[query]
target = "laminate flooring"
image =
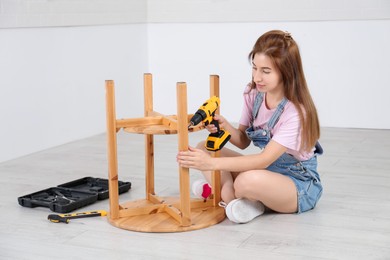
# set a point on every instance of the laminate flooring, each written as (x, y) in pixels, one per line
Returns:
(351, 221)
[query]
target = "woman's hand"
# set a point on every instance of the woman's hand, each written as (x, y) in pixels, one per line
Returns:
(221, 121)
(195, 159)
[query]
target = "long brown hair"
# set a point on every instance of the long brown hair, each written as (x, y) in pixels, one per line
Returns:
(281, 48)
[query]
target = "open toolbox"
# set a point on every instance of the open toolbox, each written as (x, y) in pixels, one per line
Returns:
(95, 185)
(71, 195)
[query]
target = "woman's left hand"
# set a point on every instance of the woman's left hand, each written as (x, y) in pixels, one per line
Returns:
(195, 159)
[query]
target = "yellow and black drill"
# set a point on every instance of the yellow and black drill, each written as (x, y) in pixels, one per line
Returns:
(205, 114)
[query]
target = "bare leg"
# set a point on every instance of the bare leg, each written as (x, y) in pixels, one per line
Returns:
(227, 178)
(274, 190)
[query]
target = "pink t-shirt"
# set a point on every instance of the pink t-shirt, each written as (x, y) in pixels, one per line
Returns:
(286, 131)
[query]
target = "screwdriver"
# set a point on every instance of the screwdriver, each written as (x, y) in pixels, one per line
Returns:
(65, 218)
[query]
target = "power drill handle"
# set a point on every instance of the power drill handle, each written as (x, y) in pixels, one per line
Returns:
(216, 124)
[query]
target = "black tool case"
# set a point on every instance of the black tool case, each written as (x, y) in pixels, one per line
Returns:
(96, 185)
(71, 195)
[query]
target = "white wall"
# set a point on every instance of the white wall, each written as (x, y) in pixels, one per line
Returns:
(52, 83)
(46, 13)
(346, 64)
(209, 11)
(52, 74)
(53, 13)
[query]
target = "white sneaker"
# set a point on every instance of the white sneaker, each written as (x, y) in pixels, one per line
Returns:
(201, 189)
(243, 210)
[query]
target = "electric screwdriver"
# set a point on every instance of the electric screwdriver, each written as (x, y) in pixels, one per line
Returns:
(205, 114)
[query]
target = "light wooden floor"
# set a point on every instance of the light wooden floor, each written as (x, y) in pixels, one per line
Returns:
(351, 221)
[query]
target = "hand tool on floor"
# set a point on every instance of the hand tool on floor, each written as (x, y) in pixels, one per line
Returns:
(205, 114)
(61, 197)
(65, 218)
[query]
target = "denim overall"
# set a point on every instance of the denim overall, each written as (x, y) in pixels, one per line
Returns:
(303, 173)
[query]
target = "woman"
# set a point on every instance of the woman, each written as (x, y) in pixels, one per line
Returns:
(279, 116)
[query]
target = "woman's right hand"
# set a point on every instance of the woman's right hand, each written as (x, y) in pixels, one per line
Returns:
(212, 128)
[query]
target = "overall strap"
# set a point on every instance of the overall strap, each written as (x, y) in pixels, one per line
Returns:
(256, 106)
(275, 117)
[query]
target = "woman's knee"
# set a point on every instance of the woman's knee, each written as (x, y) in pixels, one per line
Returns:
(246, 182)
(201, 145)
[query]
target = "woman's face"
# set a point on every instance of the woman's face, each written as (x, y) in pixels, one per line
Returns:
(266, 77)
